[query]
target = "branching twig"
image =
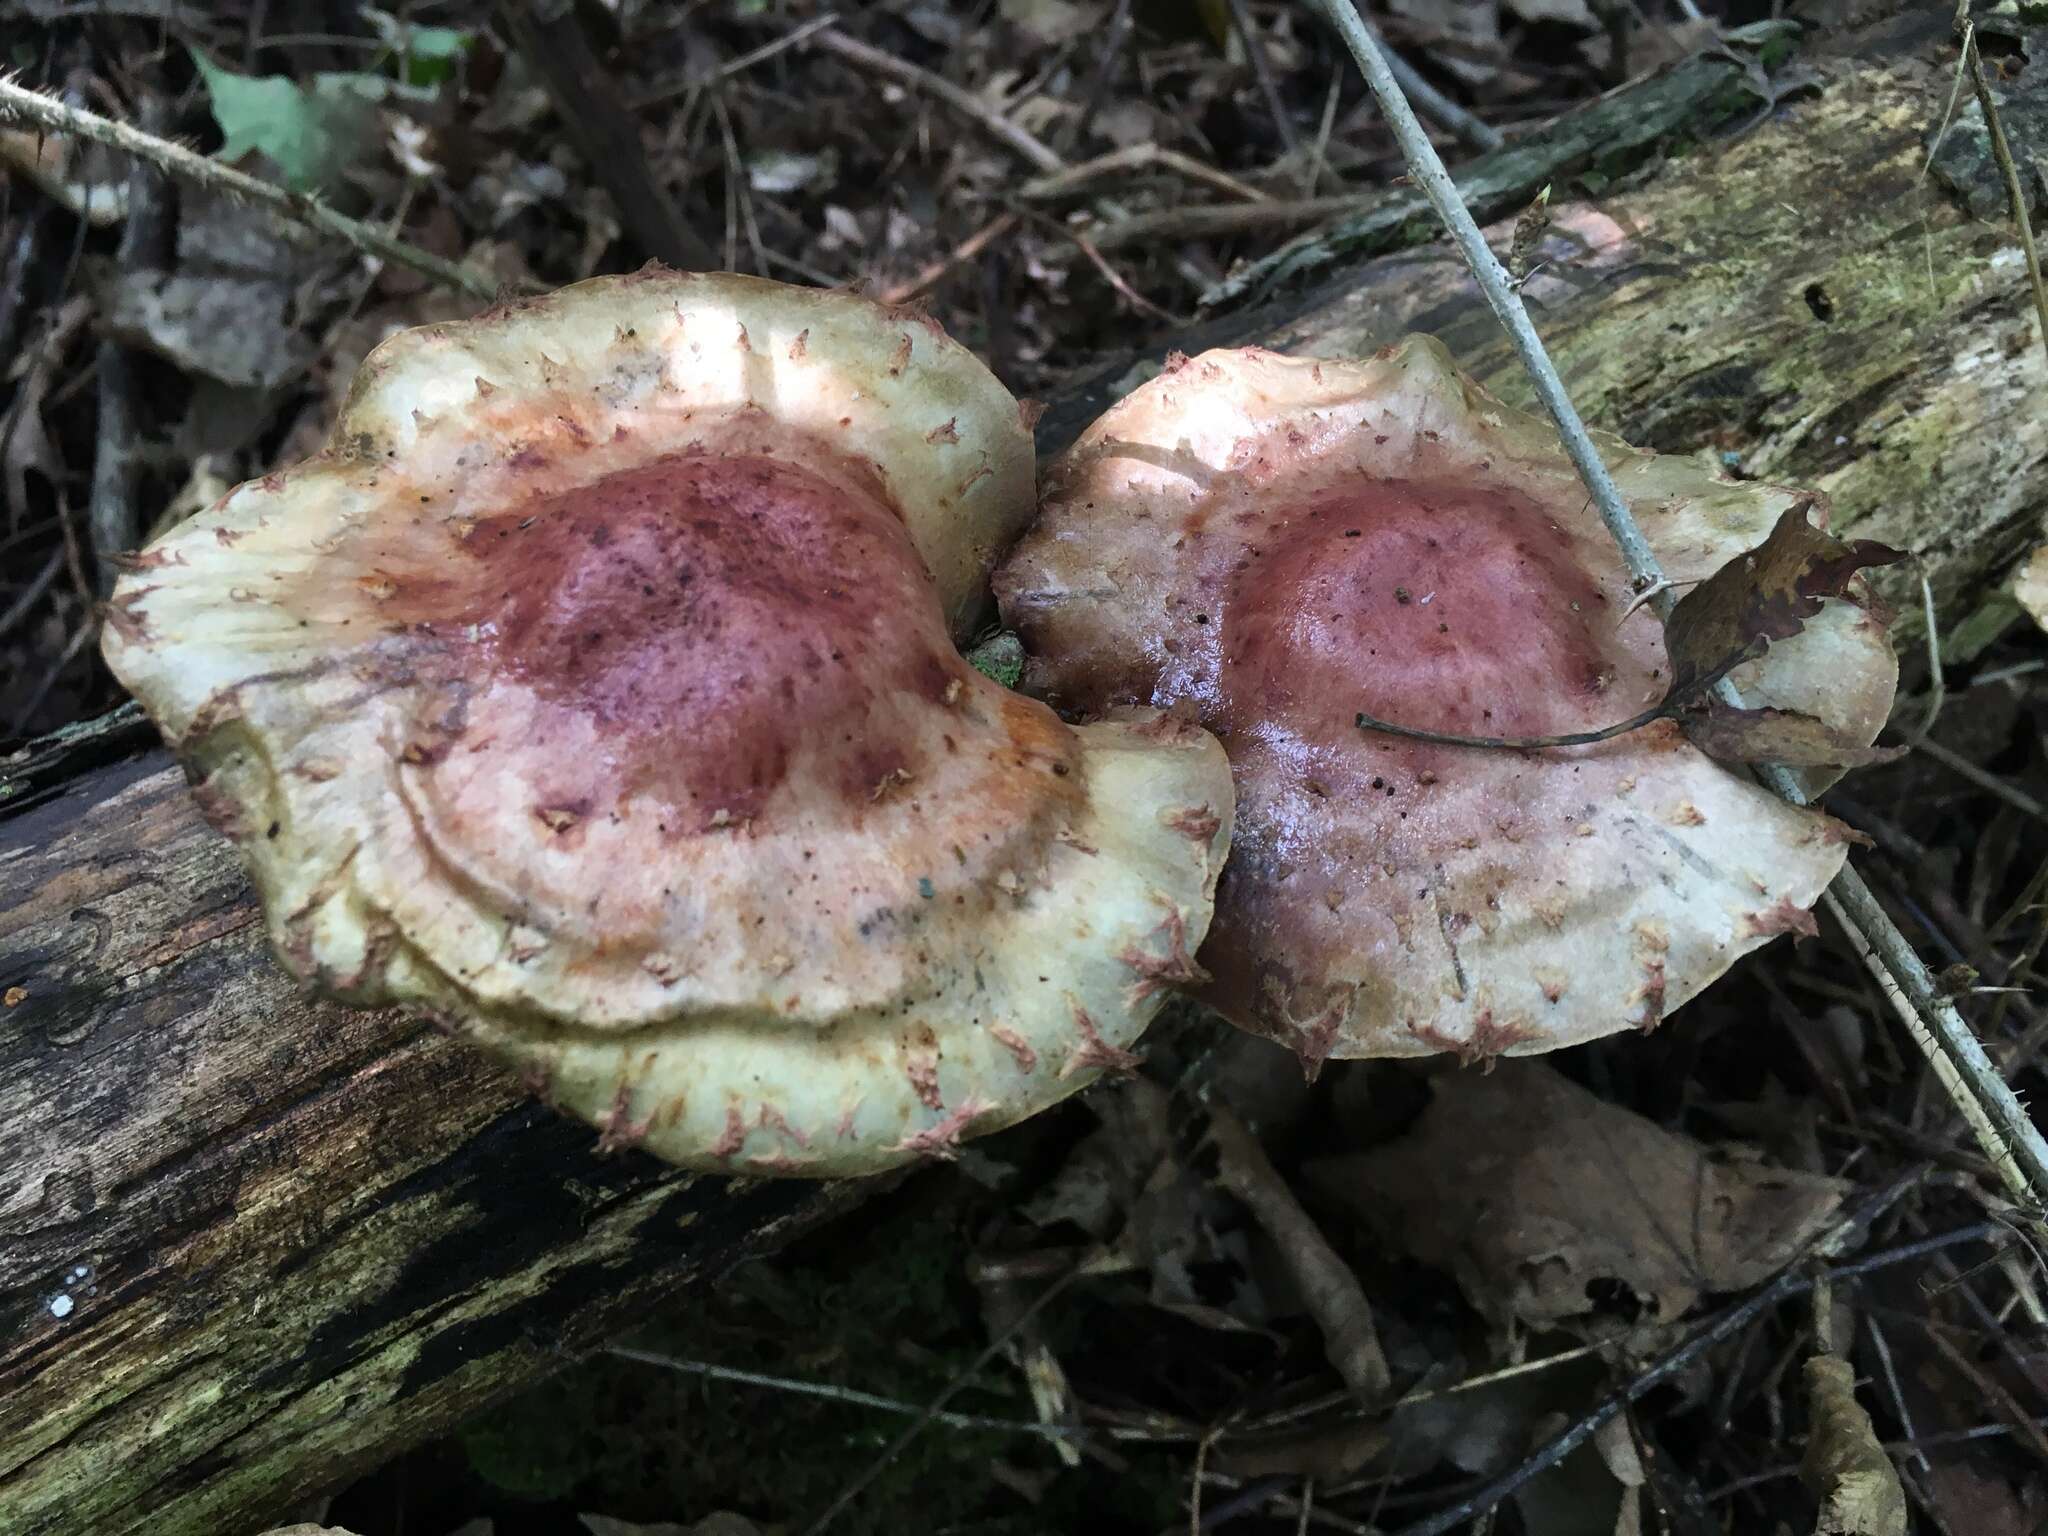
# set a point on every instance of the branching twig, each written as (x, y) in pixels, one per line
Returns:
(1788, 1283)
(2003, 1127)
(1434, 104)
(20, 105)
(966, 103)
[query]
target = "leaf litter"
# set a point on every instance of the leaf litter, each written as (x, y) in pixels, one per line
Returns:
(1195, 1333)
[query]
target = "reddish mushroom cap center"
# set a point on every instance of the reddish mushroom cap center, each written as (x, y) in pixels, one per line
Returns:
(1442, 607)
(719, 624)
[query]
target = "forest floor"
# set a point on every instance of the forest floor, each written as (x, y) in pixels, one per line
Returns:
(1057, 181)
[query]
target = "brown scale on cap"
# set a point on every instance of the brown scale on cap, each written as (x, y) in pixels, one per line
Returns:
(597, 691)
(1278, 546)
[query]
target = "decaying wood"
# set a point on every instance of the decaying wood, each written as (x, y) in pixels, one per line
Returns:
(250, 1244)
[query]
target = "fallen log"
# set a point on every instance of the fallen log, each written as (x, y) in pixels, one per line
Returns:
(251, 1244)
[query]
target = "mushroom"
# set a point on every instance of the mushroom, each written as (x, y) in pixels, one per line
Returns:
(595, 691)
(1275, 546)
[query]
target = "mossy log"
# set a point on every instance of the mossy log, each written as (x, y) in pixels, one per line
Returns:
(251, 1244)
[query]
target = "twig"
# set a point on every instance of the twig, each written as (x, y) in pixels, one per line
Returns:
(1262, 71)
(995, 229)
(849, 1395)
(26, 715)
(1209, 220)
(1331, 1291)
(21, 105)
(1319, 147)
(738, 66)
(21, 260)
(2008, 1136)
(966, 103)
(1937, 681)
(2023, 1423)
(549, 36)
(1110, 275)
(1433, 103)
(895, 1448)
(1138, 157)
(38, 584)
(1990, 783)
(112, 521)
(2015, 193)
(1635, 722)
(1786, 1284)
(1953, 1068)
(1113, 36)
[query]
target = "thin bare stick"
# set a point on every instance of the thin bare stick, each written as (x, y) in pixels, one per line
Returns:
(1634, 722)
(1990, 783)
(1937, 681)
(738, 66)
(966, 103)
(1206, 221)
(1435, 105)
(852, 1396)
(895, 1448)
(2004, 1129)
(1262, 70)
(1110, 275)
(1330, 1290)
(1138, 157)
(21, 105)
(2015, 193)
(995, 229)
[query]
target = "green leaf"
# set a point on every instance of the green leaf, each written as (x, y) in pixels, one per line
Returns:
(429, 54)
(311, 135)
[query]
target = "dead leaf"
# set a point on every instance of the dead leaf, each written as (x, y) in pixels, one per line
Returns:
(1328, 1453)
(1763, 595)
(25, 443)
(1050, 22)
(1785, 736)
(1979, 1500)
(2030, 585)
(1568, 13)
(1544, 1201)
(225, 312)
(1848, 1471)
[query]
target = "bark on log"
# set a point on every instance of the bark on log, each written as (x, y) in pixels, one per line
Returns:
(251, 1244)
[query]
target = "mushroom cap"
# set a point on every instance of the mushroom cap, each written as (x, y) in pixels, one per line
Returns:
(1275, 545)
(595, 689)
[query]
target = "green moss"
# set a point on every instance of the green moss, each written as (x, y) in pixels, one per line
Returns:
(1000, 656)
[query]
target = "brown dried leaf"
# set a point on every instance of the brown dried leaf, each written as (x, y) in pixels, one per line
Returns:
(2030, 585)
(1776, 736)
(1767, 594)
(1848, 1471)
(1541, 1198)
